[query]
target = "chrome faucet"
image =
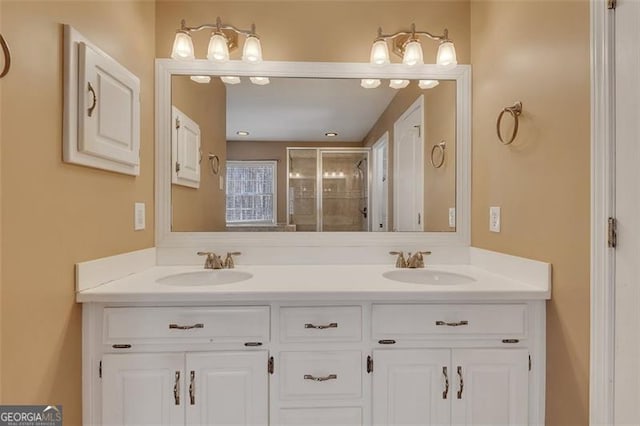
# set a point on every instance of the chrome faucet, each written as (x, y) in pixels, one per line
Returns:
(213, 261)
(413, 261)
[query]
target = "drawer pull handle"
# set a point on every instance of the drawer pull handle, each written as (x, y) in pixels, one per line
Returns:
(253, 344)
(192, 388)
(387, 342)
(461, 382)
(121, 346)
(322, 327)
(176, 389)
(445, 393)
(185, 327)
(510, 340)
(452, 324)
(321, 379)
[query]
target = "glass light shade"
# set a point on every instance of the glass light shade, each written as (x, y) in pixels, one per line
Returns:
(398, 84)
(260, 81)
(380, 53)
(218, 48)
(413, 53)
(230, 79)
(428, 84)
(370, 83)
(447, 55)
(182, 46)
(252, 50)
(202, 79)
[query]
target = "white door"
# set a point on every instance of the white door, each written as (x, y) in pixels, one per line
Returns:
(627, 208)
(489, 387)
(380, 178)
(408, 169)
(410, 387)
(186, 149)
(227, 388)
(143, 389)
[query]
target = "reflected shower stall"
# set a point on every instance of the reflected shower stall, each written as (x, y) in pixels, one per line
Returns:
(328, 189)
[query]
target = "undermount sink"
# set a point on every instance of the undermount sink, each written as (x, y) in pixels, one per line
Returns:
(205, 278)
(426, 276)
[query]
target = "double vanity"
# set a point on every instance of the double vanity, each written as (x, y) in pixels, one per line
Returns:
(314, 344)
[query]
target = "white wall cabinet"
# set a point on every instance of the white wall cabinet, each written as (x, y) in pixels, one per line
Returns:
(291, 364)
(216, 388)
(186, 150)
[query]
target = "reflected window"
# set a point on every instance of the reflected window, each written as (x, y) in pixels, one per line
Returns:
(251, 192)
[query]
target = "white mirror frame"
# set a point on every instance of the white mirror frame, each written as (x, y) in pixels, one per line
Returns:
(165, 238)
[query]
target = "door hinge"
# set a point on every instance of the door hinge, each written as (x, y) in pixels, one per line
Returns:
(419, 219)
(529, 362)
(100, 370)
(611, 4)
(369, 364)
(612, 232)
(177, 123)
(177, 167)
(270, 365)
(417, 126)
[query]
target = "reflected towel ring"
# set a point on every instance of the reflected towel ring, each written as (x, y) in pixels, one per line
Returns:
(438, 147)
(515, 112)
(7, 56)
(214, 163)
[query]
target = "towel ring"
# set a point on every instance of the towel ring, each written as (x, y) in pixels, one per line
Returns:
(7, 56)
(214, 163)
(515, 112)
(438, 147)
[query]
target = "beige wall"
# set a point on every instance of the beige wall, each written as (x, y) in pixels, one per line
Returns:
(56, 214)
(538, 52)
(259, 150)
(202, 209)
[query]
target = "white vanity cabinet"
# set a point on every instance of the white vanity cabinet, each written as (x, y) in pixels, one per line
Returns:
(295, 363)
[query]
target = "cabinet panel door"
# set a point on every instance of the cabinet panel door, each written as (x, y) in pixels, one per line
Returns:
(186, 150)
(325, 416)
(227, 388)
(410, 387)
(495, 387)
(143, 389)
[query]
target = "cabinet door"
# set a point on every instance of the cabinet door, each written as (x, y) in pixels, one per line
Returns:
(227, 388)
(410, 387)
(186, 150)
(325, 416)
(491, 387)
(143, 389)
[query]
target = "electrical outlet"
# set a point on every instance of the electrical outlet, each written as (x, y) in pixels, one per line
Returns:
(494, 219)
(452, 217)
(138, 217)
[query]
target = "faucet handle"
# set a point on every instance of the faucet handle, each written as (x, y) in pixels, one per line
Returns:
(213, 260)
(228, 262)
(206, 253)
(400, 262)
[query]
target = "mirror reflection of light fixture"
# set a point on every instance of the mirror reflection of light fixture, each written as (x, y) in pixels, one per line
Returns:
(230, 79)
(370, 83)
(331, 134)
(260, 81)
(428, 84)
(224, 39)
(202, 79)
(242, 133)
(398, 84)
(406, 44)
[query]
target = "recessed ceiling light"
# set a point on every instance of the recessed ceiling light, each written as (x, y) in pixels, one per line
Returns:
(242, 133)
(202, 79)
(331, 134)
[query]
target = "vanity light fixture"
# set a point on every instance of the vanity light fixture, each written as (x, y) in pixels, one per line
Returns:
(260, 81)
(398, 84)
(406, 44)
(428, 84)
(370, 83)
(242, 133)
(230, 79)
(224, 39)
(202, 79)
(331, 134)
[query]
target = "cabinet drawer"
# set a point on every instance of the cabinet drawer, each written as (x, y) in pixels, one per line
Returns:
(320, 375)
(325, 416)
(321, 324)
(415, 322)
(189, 325)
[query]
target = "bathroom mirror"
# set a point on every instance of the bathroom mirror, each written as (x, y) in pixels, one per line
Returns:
(313, 150)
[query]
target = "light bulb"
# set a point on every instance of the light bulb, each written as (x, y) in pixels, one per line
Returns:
(182, 46)
(260, 81)
(370, 83)
(398, 84)
(413, 53)
(428, 84)
(252, 50)
(218, 48)
(230, 79)
(446, 55)
(202, 79)
(379, 53)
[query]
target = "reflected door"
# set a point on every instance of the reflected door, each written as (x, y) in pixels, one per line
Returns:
(302, 209)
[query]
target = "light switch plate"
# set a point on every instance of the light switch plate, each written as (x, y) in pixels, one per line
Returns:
(139, 217)
(452, 217)
(494, 219)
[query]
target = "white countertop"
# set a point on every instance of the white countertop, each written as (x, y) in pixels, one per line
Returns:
(314, 283)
